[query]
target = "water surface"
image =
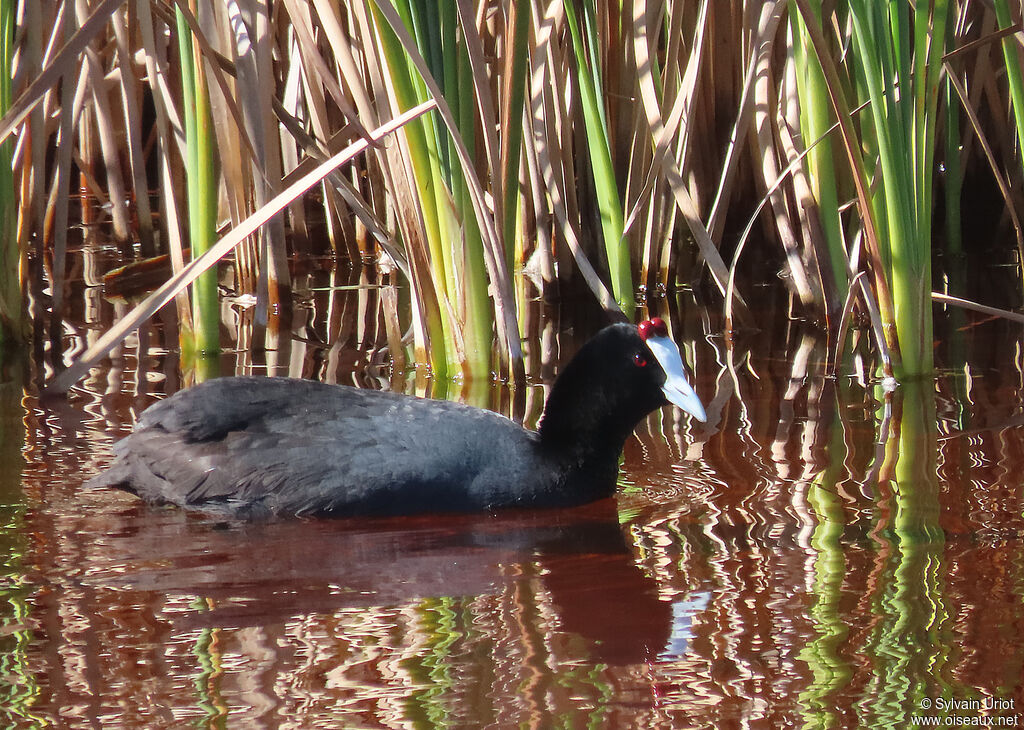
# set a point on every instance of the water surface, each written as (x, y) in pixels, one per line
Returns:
(816, 555)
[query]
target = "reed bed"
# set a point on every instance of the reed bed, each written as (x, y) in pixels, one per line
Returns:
(503, 151)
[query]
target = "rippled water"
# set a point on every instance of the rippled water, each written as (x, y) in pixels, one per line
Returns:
(814, 556)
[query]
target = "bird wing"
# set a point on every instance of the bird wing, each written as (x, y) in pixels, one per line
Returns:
(274, 446)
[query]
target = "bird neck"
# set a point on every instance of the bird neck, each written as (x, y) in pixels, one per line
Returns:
(584, 424)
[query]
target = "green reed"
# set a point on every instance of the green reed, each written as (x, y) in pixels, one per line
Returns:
(12, 317)
(452, 292)
(1014, 73)
(898, 57)
(201, 180)
(816, 119)
(893, 66)
(552, 121)
(595, 123)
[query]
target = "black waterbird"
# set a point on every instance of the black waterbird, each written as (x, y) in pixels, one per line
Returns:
(256, 447)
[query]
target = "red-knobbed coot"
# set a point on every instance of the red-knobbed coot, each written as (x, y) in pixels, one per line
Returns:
(257, 447)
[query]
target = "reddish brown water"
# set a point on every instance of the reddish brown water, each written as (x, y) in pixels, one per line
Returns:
(776, 567)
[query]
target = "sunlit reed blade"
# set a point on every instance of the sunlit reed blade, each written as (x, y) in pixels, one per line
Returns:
(816, 119)
(12, 303)
(72, 95)
(1014, 73)
(904, 128)
(493, 253)
(858, 170)
(202, 199)
(167, 126)
(554, 121)
(978, 307)
(599, 146)
(663, 134)
(513, 98)
(131, 95)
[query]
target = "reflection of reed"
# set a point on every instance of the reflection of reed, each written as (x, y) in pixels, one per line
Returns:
(818, 493)
(826, 560)
(19, 686)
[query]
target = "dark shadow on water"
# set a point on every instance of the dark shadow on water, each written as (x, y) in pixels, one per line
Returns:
(266, 573)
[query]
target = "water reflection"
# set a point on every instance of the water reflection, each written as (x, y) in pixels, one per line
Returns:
(424, 608)
(253, 573)
(820, 554)
(18, 687)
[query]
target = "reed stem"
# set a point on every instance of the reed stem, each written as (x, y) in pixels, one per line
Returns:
(201, 180)
(12, 301)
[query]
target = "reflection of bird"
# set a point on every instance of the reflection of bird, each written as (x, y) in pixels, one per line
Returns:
(250, 446)
(270, 572)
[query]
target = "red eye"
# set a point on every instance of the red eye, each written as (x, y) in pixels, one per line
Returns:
(639, 360)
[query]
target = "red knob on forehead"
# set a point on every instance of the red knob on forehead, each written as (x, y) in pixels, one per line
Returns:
(653, 327)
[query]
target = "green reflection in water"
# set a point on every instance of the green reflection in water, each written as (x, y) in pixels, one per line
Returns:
(207, 681)
(907, 629)
(446, 640)
(831, 671)
(432, 667)
(19, 690)
(910, 643)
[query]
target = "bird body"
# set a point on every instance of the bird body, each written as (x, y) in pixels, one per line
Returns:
(255, 447)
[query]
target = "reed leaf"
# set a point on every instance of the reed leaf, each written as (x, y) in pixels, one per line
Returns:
(492, 250)
(858, 173)
(63, 60)
(130, 101)
(1011, 56)
(513, 95)
(202, 190)
(675, 132)
(423, 158)
(72, 96)
(166, 120)
(598, 144)
(551, 159)
(903, 90)
(816, 120)
(12, 304)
